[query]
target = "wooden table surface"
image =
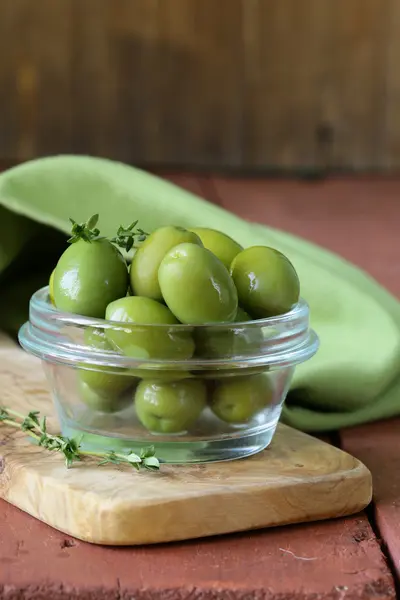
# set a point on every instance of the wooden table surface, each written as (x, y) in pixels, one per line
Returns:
(356, 557)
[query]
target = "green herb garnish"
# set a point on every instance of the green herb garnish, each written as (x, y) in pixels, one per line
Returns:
(36, 428)
(127, 237)
(85, 231)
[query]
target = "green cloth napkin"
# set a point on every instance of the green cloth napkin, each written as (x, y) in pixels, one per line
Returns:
(354, 377)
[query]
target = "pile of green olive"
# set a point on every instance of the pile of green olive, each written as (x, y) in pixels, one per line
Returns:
(172, 276)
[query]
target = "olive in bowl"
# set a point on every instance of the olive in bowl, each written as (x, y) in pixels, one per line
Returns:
(147, 259)
(238, 399)
(101, 379)
(170, 407)
(101, 400)
(220, 244)
(266, 281)
(144, 339)
(89, 276)
(196, 286)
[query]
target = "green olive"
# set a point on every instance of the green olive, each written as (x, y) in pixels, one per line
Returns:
(220, 244)
(242, 316)
(266, 281)
(51, 287)
(88, 276)
(214, 342)
(102, 402)
(144, 340)
(96, 338)
(238, 399)
(103, 380)
(106, 381)
(228, 343)
(148, 257)
(196, 286)
(172, 407)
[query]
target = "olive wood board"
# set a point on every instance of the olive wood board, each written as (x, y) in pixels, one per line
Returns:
(298, 478)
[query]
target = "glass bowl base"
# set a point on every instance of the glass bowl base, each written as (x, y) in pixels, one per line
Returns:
(177, 452)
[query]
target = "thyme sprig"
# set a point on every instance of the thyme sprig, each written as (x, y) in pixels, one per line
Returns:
(85, 231)
(127, 237)
(35, 427)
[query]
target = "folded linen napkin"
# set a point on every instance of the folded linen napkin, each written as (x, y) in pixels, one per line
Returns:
(354, 377)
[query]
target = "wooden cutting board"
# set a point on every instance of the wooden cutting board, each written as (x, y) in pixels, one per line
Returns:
(299, 478)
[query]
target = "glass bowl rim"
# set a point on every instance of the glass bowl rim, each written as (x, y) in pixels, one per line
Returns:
(286, 339)
(40, 302)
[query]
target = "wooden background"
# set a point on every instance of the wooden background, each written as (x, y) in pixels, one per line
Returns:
(244, 84)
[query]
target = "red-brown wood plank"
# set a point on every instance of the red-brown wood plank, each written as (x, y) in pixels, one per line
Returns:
(335, 560)
(357, 218)
(378, 446)
(200, 185)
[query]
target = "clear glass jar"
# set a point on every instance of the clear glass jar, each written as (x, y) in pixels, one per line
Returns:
(197, 393)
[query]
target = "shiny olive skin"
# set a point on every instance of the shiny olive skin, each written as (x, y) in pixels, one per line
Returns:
(228, 343)
(103, 380)
(266, 281)
(106, 381)
(242, 316)
(172, 407)
(196, 286)
(96, 338)
(212, 342)
(51, 287)
(144, 341)
(220, 244)
(234, 342)
(143, 271)
(237, 399)
(103, 402)
(88, 276)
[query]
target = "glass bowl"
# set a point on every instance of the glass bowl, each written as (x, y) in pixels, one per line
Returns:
(197, 393)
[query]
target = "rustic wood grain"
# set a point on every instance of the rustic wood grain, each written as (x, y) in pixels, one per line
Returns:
(251, 84)
(200, 66)
(9, 131)
(323, 561)
(298, 479)
(134, 47)
(93, 79)
(354, 102)
(51, 27)
(40, 52)
(314, 79)
(378, 446)
(283, 54)
(391, 152)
